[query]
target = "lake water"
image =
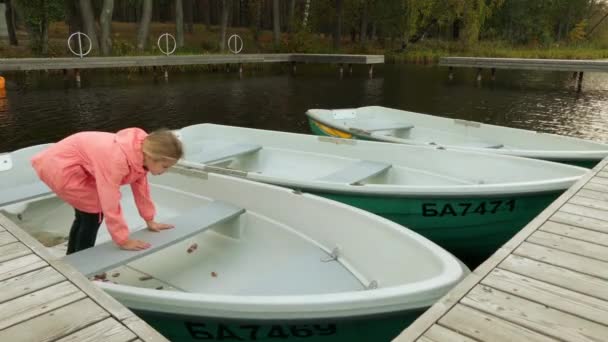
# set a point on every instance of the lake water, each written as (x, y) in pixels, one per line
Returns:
(39, 108)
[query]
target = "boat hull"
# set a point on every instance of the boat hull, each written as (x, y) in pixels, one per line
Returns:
(470, 228)
(322, 129)
(188, 328)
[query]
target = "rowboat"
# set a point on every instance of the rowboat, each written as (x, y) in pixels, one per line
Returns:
(253, 262)
(469, 203)
(399, 126)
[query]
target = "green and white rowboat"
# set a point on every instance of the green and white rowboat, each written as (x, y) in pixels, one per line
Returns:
(467, 202)
(277, 265)
(399, 126)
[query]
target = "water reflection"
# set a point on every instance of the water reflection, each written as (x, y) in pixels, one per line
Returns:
(46, 108)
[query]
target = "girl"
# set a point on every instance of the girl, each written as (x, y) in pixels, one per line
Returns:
(87, 169)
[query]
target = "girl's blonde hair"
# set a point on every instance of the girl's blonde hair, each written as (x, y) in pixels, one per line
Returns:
(163, 144)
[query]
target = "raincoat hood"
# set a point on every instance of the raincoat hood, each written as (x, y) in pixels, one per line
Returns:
(130, 141)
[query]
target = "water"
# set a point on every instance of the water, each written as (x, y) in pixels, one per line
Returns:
(39, 108)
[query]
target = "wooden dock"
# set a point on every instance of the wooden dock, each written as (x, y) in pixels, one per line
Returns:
(548, 283)
(577, 66)
(24, 64)
(44, 299)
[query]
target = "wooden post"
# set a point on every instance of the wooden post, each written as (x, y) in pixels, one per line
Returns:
(341, 70)
(371, 71)
(77, 75)
(293, 68)
(65, 74)
(450, 73)
(478, 74)
(166, 74)
(580, 82)
(493, 77)
(574, 75)
(350, 69)
(240, 69)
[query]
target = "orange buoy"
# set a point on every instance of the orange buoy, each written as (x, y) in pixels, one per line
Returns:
(2, 83)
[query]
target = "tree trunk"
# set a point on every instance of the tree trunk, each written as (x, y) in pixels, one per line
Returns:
(276, 22)
(189, 15)
(74, 19)
(207, 13)
(179, 23)
(306, 12)
(44, 34)
(257, 21)
(88, 21)
(290, 15)
(9, 14)
(364, 19)
(338, 29)
(225, 12)
(105, 21)
(144, 25)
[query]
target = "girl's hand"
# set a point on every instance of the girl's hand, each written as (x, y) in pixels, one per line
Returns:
(135, 245)
(157, 227)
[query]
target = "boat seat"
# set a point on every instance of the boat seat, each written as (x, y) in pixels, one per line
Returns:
(23, 193)
(108, 255)
(356, 172)
(373, 126)
(227, 152)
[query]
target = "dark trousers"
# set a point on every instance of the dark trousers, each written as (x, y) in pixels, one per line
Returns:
(84, 231)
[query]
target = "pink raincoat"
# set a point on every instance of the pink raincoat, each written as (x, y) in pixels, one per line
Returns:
(87, 169)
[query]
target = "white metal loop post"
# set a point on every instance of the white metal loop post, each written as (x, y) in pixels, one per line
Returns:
(166, 49)
(80, 53)
(235, 43)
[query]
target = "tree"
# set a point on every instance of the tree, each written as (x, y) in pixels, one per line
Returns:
(88, 21)
(10, 23)
(276, 23)
(144, 25)
(105, 21)
(338, 27)
(37, 14)
(364, 22)
(179, 22)
(226, 6)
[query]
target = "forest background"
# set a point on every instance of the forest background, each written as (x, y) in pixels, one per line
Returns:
(402, 30)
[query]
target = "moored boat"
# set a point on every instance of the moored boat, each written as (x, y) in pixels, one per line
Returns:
(279, 264)
(469, 203)
(399, 126)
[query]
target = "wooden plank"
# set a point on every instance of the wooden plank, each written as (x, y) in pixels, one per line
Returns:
(599, 180)
(575, 233)
(24, 264)
(114, 307)
(481, 326)
(562, 243)
(603, 174)
(56, 324)
(107, 255)
(593, 194)
(108, 330)
(556, 297)
(585, 211)
(558, 276)
(37, 303)
(13, 251)
(28, 283)
(439, 333)
(570, 261)
(580, 221)
(589, 202)
(596, 187)
(6, 238)
(425, 339)
(143, 330)
(540, 318)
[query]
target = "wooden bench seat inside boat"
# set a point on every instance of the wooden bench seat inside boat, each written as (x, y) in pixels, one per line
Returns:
(373, 126)
(356, 172)
(108, 255)
(226, 152)
(23, 193)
